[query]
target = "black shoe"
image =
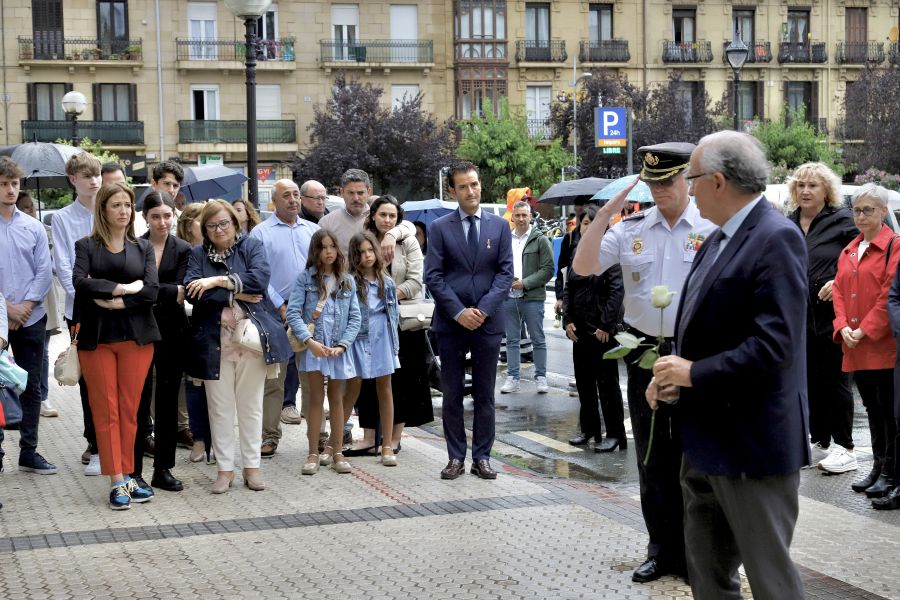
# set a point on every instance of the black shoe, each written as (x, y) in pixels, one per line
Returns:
(164, 480)
(610, 444)
(139, 481)
(864, 484)
(580, 440)
(889, 502)
(367, 451)
(651, 570)
(880, 488)
(454, 469)
(149, 446)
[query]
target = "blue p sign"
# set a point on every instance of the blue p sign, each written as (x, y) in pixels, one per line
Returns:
(610, 126)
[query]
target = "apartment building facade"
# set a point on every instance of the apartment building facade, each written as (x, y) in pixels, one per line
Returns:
(165, 78)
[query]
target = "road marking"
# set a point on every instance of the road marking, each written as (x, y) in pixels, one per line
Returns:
(549, 442)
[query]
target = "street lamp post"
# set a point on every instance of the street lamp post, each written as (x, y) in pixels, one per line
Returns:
(736, 52)
(73, 104)
(250, 11)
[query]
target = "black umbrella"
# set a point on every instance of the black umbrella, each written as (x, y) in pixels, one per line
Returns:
(576, 190)
(44, 165)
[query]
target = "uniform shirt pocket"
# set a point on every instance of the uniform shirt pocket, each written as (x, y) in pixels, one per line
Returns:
(636, 267)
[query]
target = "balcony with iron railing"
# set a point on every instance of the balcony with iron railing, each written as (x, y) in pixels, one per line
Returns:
(194, 53)
(235, 132)
(539, 129)
(894, 53)
(52, 47)
(687, 52)
(377, 53)
(800, 53)
(852, 53)
(541, 51)
(600, 51)
(760, 52)
(115, 133)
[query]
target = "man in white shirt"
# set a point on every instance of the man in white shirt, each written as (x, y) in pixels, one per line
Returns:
(69, 225)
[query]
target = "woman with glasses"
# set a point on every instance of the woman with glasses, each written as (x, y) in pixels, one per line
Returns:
(816, 207)
(226, 281)
(865, 272)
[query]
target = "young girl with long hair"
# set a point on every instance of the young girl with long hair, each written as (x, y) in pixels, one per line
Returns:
(323, 312)
(375, 350)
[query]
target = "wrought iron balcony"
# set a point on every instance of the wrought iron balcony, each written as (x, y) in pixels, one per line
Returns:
(894, 53)
(541, 51)
(851, 53)
(233, 50)
(53, 46)
(125, 133)
(235, 132)
(760, 52)
(604, 51)
(539, 128)
(378, 51)
(481, 51)
(687, 52)
(810, 53)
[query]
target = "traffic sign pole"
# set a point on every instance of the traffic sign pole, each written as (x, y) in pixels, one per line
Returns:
(628, 145)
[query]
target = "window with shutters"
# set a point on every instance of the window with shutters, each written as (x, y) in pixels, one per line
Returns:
(45, 101)
(798, 95)
(47, 28)
(600, 20)
(686, 94)
(746, 100)
(112, 25)
(742, 22)
(856, 30)
(114, 102)
(684, 25)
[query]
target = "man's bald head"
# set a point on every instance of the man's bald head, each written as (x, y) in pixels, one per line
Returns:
(286, 196)
(313, 196)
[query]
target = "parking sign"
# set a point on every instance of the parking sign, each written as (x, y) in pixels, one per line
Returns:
(610, 127)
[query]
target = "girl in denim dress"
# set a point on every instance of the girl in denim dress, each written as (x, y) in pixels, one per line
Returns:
(323, 312)
(375, 350)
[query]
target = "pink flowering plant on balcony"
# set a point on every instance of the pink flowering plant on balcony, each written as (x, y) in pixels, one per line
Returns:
(890, 181)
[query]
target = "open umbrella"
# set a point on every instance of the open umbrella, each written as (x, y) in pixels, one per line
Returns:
(44, 165)
(639, 193)
(426, 211)
(210, 181)
(568, 192)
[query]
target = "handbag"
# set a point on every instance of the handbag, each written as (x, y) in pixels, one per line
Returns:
(11, 374)
(66, 369)
(246, 335)
(296, 345)
(10, 406)
(415, 315)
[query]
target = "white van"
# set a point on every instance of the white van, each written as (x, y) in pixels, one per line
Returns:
(778, 195)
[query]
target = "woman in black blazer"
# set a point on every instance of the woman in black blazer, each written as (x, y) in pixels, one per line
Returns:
(115, 289)
(171, 255)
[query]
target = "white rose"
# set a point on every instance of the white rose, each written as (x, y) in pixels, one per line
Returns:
(660, 296)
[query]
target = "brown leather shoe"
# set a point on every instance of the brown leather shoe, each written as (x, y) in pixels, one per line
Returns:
(185, 438)
(483, 469)
(267, 450)
(454, 469)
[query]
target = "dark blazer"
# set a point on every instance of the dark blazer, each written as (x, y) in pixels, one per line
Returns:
(457, 283)
(595, 300)
(95, 276)
(248, 262)
(747, 411)
(170, 316)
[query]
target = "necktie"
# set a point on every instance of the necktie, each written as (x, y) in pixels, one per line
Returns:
(472, 237)
(692, 291)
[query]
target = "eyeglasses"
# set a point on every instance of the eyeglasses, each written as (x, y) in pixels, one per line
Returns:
(663, 183)
(319, 198)
(221, 225)
(865, 210)
(690, 179)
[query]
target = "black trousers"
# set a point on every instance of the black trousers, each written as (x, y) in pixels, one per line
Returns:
(597, 381)
(89, 434)
(830, 396)
(877, 391)
(661, 502)
(168, 365)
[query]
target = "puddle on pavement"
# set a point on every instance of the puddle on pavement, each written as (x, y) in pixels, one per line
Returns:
(552, 467)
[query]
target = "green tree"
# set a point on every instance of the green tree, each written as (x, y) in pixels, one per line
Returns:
(506, 156)
(791, 141)
(60, 197)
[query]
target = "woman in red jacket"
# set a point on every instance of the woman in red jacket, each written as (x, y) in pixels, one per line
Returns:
(865, 271)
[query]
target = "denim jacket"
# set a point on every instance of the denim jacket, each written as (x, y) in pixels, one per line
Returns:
(302, 304)
(390, 304)
(247, 263)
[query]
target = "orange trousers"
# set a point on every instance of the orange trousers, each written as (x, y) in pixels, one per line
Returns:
(115, 375)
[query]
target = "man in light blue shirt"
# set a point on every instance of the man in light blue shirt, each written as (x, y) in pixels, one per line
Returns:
(286, 238)
(25, 274)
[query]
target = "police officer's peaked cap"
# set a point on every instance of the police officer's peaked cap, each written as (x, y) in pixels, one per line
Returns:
(662, 161)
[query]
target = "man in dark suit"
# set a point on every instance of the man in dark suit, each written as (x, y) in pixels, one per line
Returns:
(740, 369)
(469, 271)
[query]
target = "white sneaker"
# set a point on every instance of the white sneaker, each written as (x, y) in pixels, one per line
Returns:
(93, 466)
(818, 454)
(542, 387)
(510, 385)
(839, 460)
(48, 410)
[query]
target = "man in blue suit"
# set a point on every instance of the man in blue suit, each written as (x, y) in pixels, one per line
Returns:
(469, 271)
(741, 375)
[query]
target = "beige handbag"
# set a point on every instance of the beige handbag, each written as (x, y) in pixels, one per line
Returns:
(246, 335)
(415, 315)
(296, 344)
(67, 369)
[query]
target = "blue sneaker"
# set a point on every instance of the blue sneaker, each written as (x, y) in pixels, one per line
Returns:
(138, 494)
(119, 498)
(35, 463)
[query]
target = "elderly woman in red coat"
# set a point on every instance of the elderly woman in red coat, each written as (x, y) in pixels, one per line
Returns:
(865, 271)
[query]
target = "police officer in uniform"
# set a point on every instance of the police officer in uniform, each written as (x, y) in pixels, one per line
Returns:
(654, 247)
